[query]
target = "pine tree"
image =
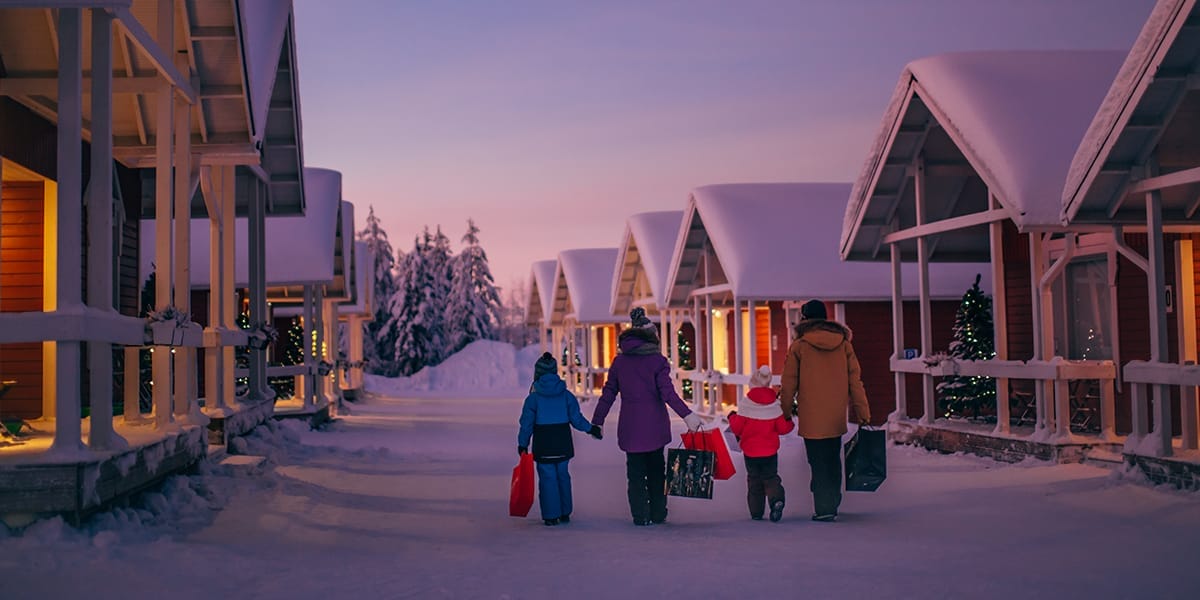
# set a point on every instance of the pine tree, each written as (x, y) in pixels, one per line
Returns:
(293, 354)
(438, 266)
(415, 313)
(473, 306)
(973, 340)
(379, 344)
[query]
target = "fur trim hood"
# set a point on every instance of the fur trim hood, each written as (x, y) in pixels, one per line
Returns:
(823, 334)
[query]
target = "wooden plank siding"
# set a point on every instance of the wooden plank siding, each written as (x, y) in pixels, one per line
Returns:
(22, 274)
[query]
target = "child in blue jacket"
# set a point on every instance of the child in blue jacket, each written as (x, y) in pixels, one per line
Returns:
(548, 415)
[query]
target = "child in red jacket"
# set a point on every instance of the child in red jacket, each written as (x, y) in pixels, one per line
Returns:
(758, 423)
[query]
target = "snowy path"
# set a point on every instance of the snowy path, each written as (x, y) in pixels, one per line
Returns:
(407, 499)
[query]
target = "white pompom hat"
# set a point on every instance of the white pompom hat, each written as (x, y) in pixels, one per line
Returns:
(761, 377)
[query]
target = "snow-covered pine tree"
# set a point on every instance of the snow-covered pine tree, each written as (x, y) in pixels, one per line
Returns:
(973, 340)
(415, 313)
(439, 265)
(379, 345)
(473, 306)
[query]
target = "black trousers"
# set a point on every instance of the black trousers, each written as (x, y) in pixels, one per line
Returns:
(763, 484)
(647, 475)
(825, 461)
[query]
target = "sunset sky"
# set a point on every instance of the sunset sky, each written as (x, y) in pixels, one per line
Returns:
(550, 122)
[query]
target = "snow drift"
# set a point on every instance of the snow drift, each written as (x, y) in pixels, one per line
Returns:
(484, 368)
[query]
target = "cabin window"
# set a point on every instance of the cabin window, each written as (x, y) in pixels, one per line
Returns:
(1084, 311)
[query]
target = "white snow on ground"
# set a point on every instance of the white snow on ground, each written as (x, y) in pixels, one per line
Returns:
(407, 498)
(483, 369)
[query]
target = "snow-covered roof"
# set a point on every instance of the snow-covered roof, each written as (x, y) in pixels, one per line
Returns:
(364, 286)
(1013, 118)
(778, 241)
(583, 285)
(645, 252)
(540, 304)
(299, 250)
(1137, 121)
(264, 26)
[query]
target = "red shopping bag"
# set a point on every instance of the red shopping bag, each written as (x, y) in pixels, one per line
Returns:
(713, 441)
(520, 498)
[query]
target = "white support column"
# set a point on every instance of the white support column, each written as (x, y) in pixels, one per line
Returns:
(310, 363)
(68, 401)
(332, 343)
(698, 391)
(319, 384)
(1185, 316)
(714, 388)
(901, 412)
(929, 414)
(163, 178)
(184, 360)
(739, 352)
(999, 318)
(1155, 280)
(212, 180)
(1037, 268)
(256, 251)
(752, 337)
(356, 352)
(229, 306)
(100, 234)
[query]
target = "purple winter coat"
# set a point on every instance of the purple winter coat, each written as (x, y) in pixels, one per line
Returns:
(641, 375)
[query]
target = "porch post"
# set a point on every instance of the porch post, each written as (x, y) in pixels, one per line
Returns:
(310, 364)
(213, 188)
(929, 413)
(228, 281)
(709, 342)
(319, 384)
(739, 353)
(1037, 268)
(901, 412)
(1185, 295)
(356, 351)
(999, 318)
(183, 358)
(100, 234)
(68, 402)
(698, 357)
(257, 252)
(163, 178)
(752, 337)
(1155, 279)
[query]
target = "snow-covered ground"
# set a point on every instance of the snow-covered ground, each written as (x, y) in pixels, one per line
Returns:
(407, 498)
(483, 368)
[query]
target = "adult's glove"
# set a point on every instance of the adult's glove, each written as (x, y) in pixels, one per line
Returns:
(693, 421)
(596, 432)
(521, 450)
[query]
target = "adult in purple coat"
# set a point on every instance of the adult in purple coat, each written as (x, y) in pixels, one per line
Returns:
(642, 376)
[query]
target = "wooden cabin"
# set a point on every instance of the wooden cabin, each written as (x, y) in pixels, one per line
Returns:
(748, 255)
(969, 164)
(1135, 177)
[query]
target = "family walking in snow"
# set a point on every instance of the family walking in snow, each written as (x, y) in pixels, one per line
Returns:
(821, 381)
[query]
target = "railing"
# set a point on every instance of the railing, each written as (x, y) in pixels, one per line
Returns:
(1054, 410)
(1143, 377)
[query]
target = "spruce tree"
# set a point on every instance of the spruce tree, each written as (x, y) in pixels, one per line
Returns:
(415, 313)
(973, 340)
(379, 344)
(473, 307)
(438, 269)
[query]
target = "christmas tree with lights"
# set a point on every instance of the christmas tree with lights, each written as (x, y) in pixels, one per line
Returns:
(973, 340)
(685, 361)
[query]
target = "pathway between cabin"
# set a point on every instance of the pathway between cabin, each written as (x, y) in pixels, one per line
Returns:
(408, 498)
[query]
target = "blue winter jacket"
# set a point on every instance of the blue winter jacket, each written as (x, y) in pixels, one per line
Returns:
(547, 416)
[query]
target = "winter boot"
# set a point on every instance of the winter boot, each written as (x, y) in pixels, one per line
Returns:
(776, 511)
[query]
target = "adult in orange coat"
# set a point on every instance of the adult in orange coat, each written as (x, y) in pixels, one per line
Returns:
(821, 381)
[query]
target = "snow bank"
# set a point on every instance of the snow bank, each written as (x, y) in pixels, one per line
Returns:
(483, 369)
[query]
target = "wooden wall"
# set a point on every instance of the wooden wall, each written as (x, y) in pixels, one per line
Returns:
(22, 222)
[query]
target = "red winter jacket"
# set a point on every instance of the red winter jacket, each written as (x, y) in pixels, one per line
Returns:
(759, 422)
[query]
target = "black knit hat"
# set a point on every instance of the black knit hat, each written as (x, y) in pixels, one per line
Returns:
(545, 365)
(638, 318)
(814, 309)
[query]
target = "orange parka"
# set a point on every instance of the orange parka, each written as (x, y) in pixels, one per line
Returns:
(821, 374)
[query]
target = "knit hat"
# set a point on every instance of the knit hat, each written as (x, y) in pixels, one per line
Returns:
(761, 377)
(813, 309)
(638, 317)
(545, 365)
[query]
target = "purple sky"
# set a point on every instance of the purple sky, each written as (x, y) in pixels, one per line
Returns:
(550, 122)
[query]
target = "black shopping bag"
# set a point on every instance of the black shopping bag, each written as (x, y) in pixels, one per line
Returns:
(690, 473)
(866, 460)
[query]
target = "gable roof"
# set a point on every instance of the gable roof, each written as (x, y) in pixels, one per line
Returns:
(539, 305)
(300, 250)
(583, 285)
(1016, 117)
(645, 251)
(1149, 114)
(778, 241)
